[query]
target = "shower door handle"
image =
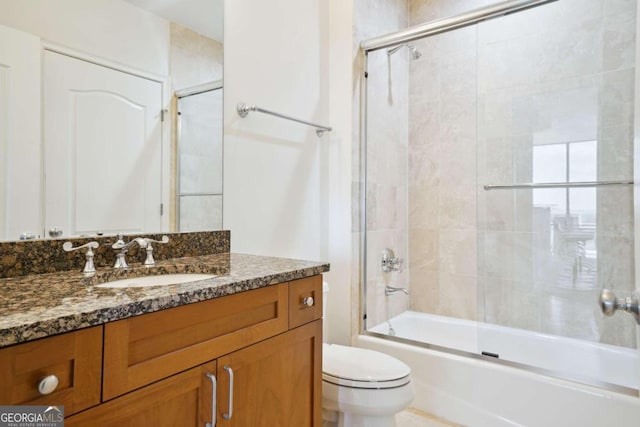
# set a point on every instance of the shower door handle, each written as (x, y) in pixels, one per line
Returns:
(609, 304)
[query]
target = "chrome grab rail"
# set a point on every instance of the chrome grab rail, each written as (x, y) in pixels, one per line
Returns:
(229, 414)
(244, 109)
(214, 408)
(582, 184)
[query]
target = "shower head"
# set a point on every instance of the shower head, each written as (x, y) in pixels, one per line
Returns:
(415, 53)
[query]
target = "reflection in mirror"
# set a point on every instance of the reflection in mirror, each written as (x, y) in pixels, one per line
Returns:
(90, 96)
(199, 146)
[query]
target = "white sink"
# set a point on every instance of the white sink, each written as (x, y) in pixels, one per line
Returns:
(159, 280)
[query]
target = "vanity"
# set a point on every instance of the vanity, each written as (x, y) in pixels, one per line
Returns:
(242, 348)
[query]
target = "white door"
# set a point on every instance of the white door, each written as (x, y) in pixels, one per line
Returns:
(103, 154)
(19, 134)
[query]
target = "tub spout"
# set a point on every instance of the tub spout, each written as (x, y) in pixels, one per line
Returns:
(390, 290)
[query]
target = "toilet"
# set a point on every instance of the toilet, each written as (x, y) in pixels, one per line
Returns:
(362, 388)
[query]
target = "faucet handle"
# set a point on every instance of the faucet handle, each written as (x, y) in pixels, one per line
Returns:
(390, 262)
(119, 244)
(89, 267)
(146, 243)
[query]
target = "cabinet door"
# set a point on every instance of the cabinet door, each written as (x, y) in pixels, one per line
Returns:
(181, 400)
(74, 358)
(277, 382)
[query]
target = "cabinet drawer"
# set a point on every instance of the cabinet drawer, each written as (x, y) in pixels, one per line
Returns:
(301, 309)
(75, 358)
(144, 349)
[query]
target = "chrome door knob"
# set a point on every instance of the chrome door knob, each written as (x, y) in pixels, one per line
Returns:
(55, 232)
(609, 304)
(308, 301)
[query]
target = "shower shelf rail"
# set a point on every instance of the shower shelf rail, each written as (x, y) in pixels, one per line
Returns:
(244, 109)
(583, 184)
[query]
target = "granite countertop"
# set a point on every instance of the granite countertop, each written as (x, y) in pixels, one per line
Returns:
(40, 305)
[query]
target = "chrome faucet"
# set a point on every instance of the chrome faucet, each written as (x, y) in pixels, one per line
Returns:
(122, 247)
(89, 267)
(149, 261)
(390, 290)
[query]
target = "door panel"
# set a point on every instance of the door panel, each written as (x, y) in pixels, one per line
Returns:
(19, 104)
(102, 131)
(276, 383)
(181, 400)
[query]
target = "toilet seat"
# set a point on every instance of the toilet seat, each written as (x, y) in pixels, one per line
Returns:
(361, 368)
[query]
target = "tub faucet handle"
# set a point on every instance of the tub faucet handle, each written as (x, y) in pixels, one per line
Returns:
(390, 262)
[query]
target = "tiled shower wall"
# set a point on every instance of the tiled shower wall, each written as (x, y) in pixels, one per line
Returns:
(478, 100)
(562, 73)
(194, 60)
(442, 166)
(386, 156)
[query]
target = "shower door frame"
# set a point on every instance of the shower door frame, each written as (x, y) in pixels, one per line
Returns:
(421, 31)
(179, 95)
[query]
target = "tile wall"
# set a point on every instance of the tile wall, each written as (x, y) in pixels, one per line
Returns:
(478, 103)
(556, 75)
(194, 60)
(387, 158)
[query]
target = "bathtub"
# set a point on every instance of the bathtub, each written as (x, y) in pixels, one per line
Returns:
(477, 392)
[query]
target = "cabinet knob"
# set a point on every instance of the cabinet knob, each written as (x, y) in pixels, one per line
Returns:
(48, 384)
(308, 301)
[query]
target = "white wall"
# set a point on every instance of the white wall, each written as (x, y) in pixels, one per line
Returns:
(111, 29)
(286, 190)
(275, 170)
(339, 311)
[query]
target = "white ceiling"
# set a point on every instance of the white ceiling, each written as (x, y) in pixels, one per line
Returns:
(202, 16)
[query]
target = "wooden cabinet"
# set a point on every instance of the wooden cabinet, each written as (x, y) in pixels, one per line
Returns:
(251, 359)
(143, 349)
(305, 301)
(276, 383)
(263, 348)
(183, 400)
(75, 358)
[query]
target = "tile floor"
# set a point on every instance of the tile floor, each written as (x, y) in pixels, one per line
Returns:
(415, 418)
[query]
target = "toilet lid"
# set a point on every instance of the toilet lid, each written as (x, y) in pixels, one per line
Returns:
(362, 368)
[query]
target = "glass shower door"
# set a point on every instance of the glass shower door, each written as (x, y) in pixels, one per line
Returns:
(200, 161)
(555, 204)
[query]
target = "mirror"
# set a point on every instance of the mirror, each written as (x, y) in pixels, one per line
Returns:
(110, 117)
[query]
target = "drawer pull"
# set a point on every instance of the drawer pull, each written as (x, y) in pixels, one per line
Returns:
(229, 414)
(48, 384)
(308, 301)
(214, 409)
